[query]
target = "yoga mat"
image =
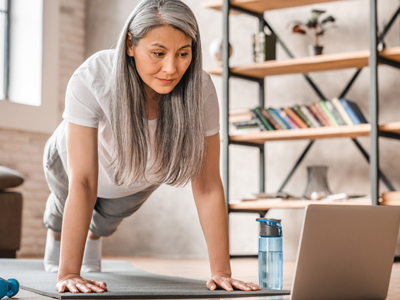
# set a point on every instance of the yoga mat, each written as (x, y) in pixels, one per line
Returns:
(124, 281)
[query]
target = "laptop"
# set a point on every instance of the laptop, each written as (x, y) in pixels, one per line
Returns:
(346, 252)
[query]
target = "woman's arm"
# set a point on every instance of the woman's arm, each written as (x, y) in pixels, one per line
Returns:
(210, 202)
(82, 194)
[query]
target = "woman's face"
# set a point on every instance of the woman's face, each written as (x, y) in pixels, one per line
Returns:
(162, 58)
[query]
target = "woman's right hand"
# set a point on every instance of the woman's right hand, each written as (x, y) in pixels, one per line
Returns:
(75, 284)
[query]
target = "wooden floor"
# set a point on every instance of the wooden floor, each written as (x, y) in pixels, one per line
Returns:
(243, 269)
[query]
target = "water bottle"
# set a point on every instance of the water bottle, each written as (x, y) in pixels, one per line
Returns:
(270, 259)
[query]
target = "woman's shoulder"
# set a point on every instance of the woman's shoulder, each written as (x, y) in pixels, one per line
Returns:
(96, 71)
(98, 64)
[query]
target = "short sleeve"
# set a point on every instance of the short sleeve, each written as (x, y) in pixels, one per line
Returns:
(211, 106)
(81, 107)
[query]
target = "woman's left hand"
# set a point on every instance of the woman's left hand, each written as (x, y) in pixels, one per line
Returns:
(228, 283)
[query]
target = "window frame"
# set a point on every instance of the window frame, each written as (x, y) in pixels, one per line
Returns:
(6, 69)
(46, 117)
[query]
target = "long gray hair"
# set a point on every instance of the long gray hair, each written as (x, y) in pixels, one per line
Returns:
(180, 143)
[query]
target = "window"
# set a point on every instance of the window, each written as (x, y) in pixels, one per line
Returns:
(4, 46)
(26, 49)
(32, 102)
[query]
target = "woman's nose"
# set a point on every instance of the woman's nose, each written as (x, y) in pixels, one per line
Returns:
(169, 65)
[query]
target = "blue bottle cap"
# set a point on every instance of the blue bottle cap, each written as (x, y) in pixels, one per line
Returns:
(270, 227)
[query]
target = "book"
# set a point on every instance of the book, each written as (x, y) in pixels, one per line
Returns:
(242, 114)
(288, 119)
(276, 111)
(334, 113)
(350, 112)
(314, 113)
(339, 107)
(270, 120)
(262, 120)
(357, 111)
(282, 124)
(245, 124)
(328, 113)
(295, 117)
(321, 113)
(309, 116)
(298, 111)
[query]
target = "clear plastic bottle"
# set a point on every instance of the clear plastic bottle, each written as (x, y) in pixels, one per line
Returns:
(270, 258)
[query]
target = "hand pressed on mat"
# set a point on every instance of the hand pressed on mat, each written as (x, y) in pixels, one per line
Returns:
(228, 283)
(75, 284)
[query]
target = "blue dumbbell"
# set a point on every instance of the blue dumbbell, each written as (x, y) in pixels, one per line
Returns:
(9, 287)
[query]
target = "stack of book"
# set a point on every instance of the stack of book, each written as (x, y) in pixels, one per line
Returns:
(324, 113)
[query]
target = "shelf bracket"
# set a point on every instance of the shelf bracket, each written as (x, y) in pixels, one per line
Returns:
(389, 62)
(381, 175)
(249, 78)
(387, 27)
(296, 166)
(390, 135)
(248, 144)
(350, 84)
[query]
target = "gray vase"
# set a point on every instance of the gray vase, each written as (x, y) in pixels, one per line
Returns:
(317, 185)
(315, 50)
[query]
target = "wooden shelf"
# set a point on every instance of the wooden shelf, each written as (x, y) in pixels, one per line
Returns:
(314, 133)
(259, 6)
(356, 59)
(262, 205)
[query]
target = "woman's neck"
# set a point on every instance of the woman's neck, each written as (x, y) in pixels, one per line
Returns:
(152, 103)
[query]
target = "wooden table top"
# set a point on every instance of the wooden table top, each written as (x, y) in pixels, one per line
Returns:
(245, 269)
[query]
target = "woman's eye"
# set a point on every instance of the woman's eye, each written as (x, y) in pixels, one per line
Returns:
(158, 54)
(184, 54)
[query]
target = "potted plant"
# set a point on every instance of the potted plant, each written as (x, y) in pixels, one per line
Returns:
(317, 26)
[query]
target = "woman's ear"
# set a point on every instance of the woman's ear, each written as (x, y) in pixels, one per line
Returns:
(129, 45)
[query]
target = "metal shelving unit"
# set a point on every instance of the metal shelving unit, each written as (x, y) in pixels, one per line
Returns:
(257, 72)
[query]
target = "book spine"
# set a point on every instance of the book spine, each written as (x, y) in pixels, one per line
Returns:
(322, 114)
(270, 120)
(328, 113)
(357, 111)
(267, 125)
(276, 119)
(334, 113)
(295, 117)
(313, 121)
(258, 120)
(314, 113)
(350, 112)
(298, 111)
(339, 107)
(244, 123)
(280, 118)
(288, 119)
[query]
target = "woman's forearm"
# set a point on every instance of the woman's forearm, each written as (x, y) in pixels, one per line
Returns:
(76, 220)
(213, 216)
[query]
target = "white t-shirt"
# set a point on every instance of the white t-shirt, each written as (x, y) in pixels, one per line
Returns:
(87, 103)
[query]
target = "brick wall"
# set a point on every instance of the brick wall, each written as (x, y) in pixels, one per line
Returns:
(23, 151)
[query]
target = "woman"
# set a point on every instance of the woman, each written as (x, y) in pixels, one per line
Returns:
(135, 117)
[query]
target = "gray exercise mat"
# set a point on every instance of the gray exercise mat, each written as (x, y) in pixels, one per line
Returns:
(124, 281)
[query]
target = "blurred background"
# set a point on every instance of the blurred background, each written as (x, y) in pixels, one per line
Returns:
(51, 38)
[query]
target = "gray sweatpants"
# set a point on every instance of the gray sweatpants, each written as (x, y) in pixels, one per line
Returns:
(107, 213)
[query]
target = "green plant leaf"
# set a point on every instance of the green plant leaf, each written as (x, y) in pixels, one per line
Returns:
(317, 12)
(328, 19)
(312, 22)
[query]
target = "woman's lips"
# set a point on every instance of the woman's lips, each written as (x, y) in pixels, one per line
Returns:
(165, 81)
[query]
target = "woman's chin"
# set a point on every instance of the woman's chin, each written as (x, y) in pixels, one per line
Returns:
(164, 91)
